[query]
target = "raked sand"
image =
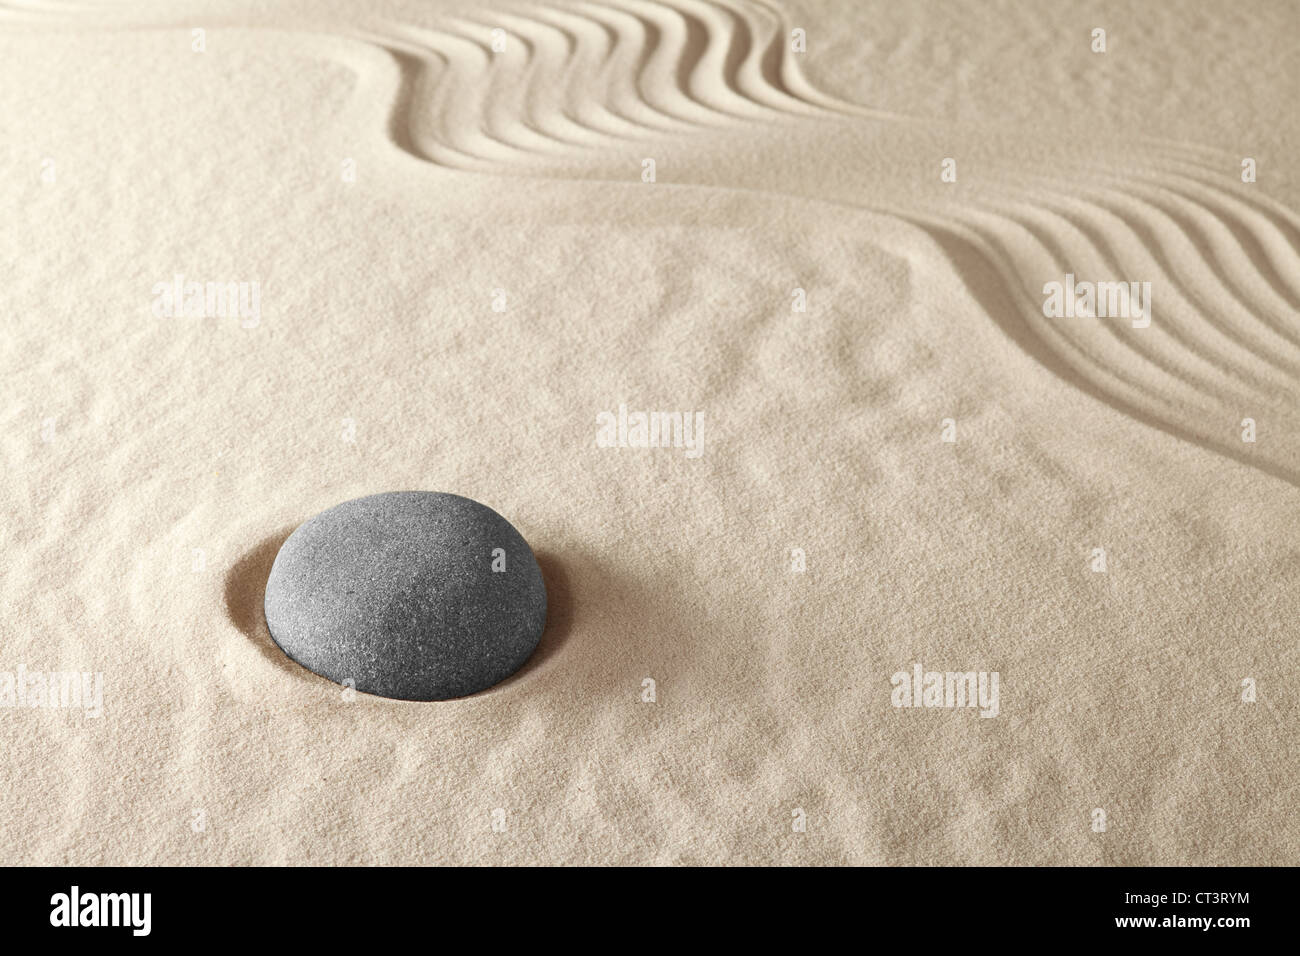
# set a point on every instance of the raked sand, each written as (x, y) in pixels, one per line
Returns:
(460, 266)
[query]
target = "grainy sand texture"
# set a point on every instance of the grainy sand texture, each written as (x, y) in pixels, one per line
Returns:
(443, 246)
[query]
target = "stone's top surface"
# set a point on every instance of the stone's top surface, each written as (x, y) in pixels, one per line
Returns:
(415, 595)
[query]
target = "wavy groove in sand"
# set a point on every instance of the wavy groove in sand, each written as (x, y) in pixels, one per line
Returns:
(573, 80)
(593, 77)
(1224, 343)
(577, 83)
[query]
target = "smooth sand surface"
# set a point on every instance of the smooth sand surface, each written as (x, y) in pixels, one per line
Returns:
(153, 464)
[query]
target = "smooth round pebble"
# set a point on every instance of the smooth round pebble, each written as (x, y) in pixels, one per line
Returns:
(416, 595)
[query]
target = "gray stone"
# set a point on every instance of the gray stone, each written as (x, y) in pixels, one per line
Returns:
(415, 595)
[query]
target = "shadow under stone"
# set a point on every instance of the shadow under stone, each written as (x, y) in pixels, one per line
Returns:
(559, 618)
(245, 590)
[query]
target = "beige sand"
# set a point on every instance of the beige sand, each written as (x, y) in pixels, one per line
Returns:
(153, 464)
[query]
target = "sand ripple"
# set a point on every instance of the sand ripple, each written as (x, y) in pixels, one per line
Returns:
(581, 82)
(1224, 341)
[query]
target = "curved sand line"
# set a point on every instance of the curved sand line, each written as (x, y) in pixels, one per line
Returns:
(578, 83)
(591, 78)
(1224, 343)
(583, 78)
